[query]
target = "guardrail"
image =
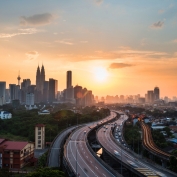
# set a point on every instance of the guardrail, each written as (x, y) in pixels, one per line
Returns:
(67, 165)
(49, 151)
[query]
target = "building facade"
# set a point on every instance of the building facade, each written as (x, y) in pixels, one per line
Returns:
(2, 93)
(14, 154)
(40, 136)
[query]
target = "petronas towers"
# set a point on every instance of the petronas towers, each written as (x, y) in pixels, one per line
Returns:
(40, 78)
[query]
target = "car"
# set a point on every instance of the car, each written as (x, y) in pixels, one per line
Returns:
(132, 164)
(116, 153)
(84, 132)
(116, 137)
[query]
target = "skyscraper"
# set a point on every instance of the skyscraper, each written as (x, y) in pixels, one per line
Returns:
(2, 92)
(69, 79)
(38, 78)
(156, 93)
(53, 88)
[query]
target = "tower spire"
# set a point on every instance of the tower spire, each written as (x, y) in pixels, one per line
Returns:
(18, 78)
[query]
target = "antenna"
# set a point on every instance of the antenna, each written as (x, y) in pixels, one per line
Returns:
(18, 78)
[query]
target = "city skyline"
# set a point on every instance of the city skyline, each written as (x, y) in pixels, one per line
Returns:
(122, 48)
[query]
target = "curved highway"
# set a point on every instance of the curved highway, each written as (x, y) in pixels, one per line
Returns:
(103, 137)
(149, 143)
(79, 156)
(54, 153)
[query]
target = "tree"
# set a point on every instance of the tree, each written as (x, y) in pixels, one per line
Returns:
(46, 172)
(173, 163)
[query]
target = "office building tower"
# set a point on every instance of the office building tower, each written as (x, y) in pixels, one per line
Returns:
(24, 90)
(69, 79)
(78, 94)
(14, 92)
(7, 96)
(53, 88)
(30, 99)
(150, 96)
(156, 93)
(2, 93)
(45, 91)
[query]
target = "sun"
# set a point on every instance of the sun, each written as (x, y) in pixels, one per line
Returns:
(100, 73)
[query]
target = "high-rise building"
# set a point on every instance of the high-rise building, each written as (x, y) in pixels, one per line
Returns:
(38, 79)
(2, 92)
(46, 91)
(78, 94)
(24, 90)
(30, 99)
(14, 91)
(53, 88)
(156, 93)
(69, 79)
(150, 96)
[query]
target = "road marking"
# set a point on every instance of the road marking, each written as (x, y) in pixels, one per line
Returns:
(96, 167)
(103, 174)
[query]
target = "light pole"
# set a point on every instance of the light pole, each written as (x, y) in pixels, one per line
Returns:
(76, 158)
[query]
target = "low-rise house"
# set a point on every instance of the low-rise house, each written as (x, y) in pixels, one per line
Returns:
(15, 154)
(5, 115)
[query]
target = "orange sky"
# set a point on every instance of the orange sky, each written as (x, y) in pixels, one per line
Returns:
(111, 47)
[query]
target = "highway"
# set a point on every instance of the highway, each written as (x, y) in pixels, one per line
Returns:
(54, 153)
(79, 156)
(149, 143)
(103, 136)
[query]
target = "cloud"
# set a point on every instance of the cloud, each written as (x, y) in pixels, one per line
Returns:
(37, 20)
(98, 2)
(32, 55)
(157, 25)
(119, 65)
(21, 32)
(66, 42)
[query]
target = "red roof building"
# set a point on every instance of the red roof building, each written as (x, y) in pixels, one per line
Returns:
(15, 154)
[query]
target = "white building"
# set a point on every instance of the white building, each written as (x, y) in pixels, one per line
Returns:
(5, 115)
(2, 93)
(44, 112)
(30, 99)
(40, 136)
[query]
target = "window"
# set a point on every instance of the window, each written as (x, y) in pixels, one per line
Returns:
(39, 137)
(39, 133)
(39, 141)
(39, 128)
(17, 152)
(39, 145)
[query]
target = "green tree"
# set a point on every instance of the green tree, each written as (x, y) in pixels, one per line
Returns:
(46, 172)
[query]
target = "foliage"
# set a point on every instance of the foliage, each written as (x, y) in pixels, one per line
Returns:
(42, 160)
(173, 163)
(159, 139)
(23, 122)
(132, 136)
(174, 153)
(168, 131)
(46, 172)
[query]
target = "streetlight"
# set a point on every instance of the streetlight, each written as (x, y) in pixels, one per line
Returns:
(76, 158)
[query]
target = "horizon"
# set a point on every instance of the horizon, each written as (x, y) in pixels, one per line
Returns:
(122, 48)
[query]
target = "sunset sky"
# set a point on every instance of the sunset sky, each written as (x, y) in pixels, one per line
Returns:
(113, 47)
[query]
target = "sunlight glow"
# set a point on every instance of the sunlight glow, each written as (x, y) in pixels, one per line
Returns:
(100, 73)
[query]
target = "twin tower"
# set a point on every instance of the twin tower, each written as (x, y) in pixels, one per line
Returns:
(40, 78)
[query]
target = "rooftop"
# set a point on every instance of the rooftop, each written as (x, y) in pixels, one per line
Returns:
(14, 145)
